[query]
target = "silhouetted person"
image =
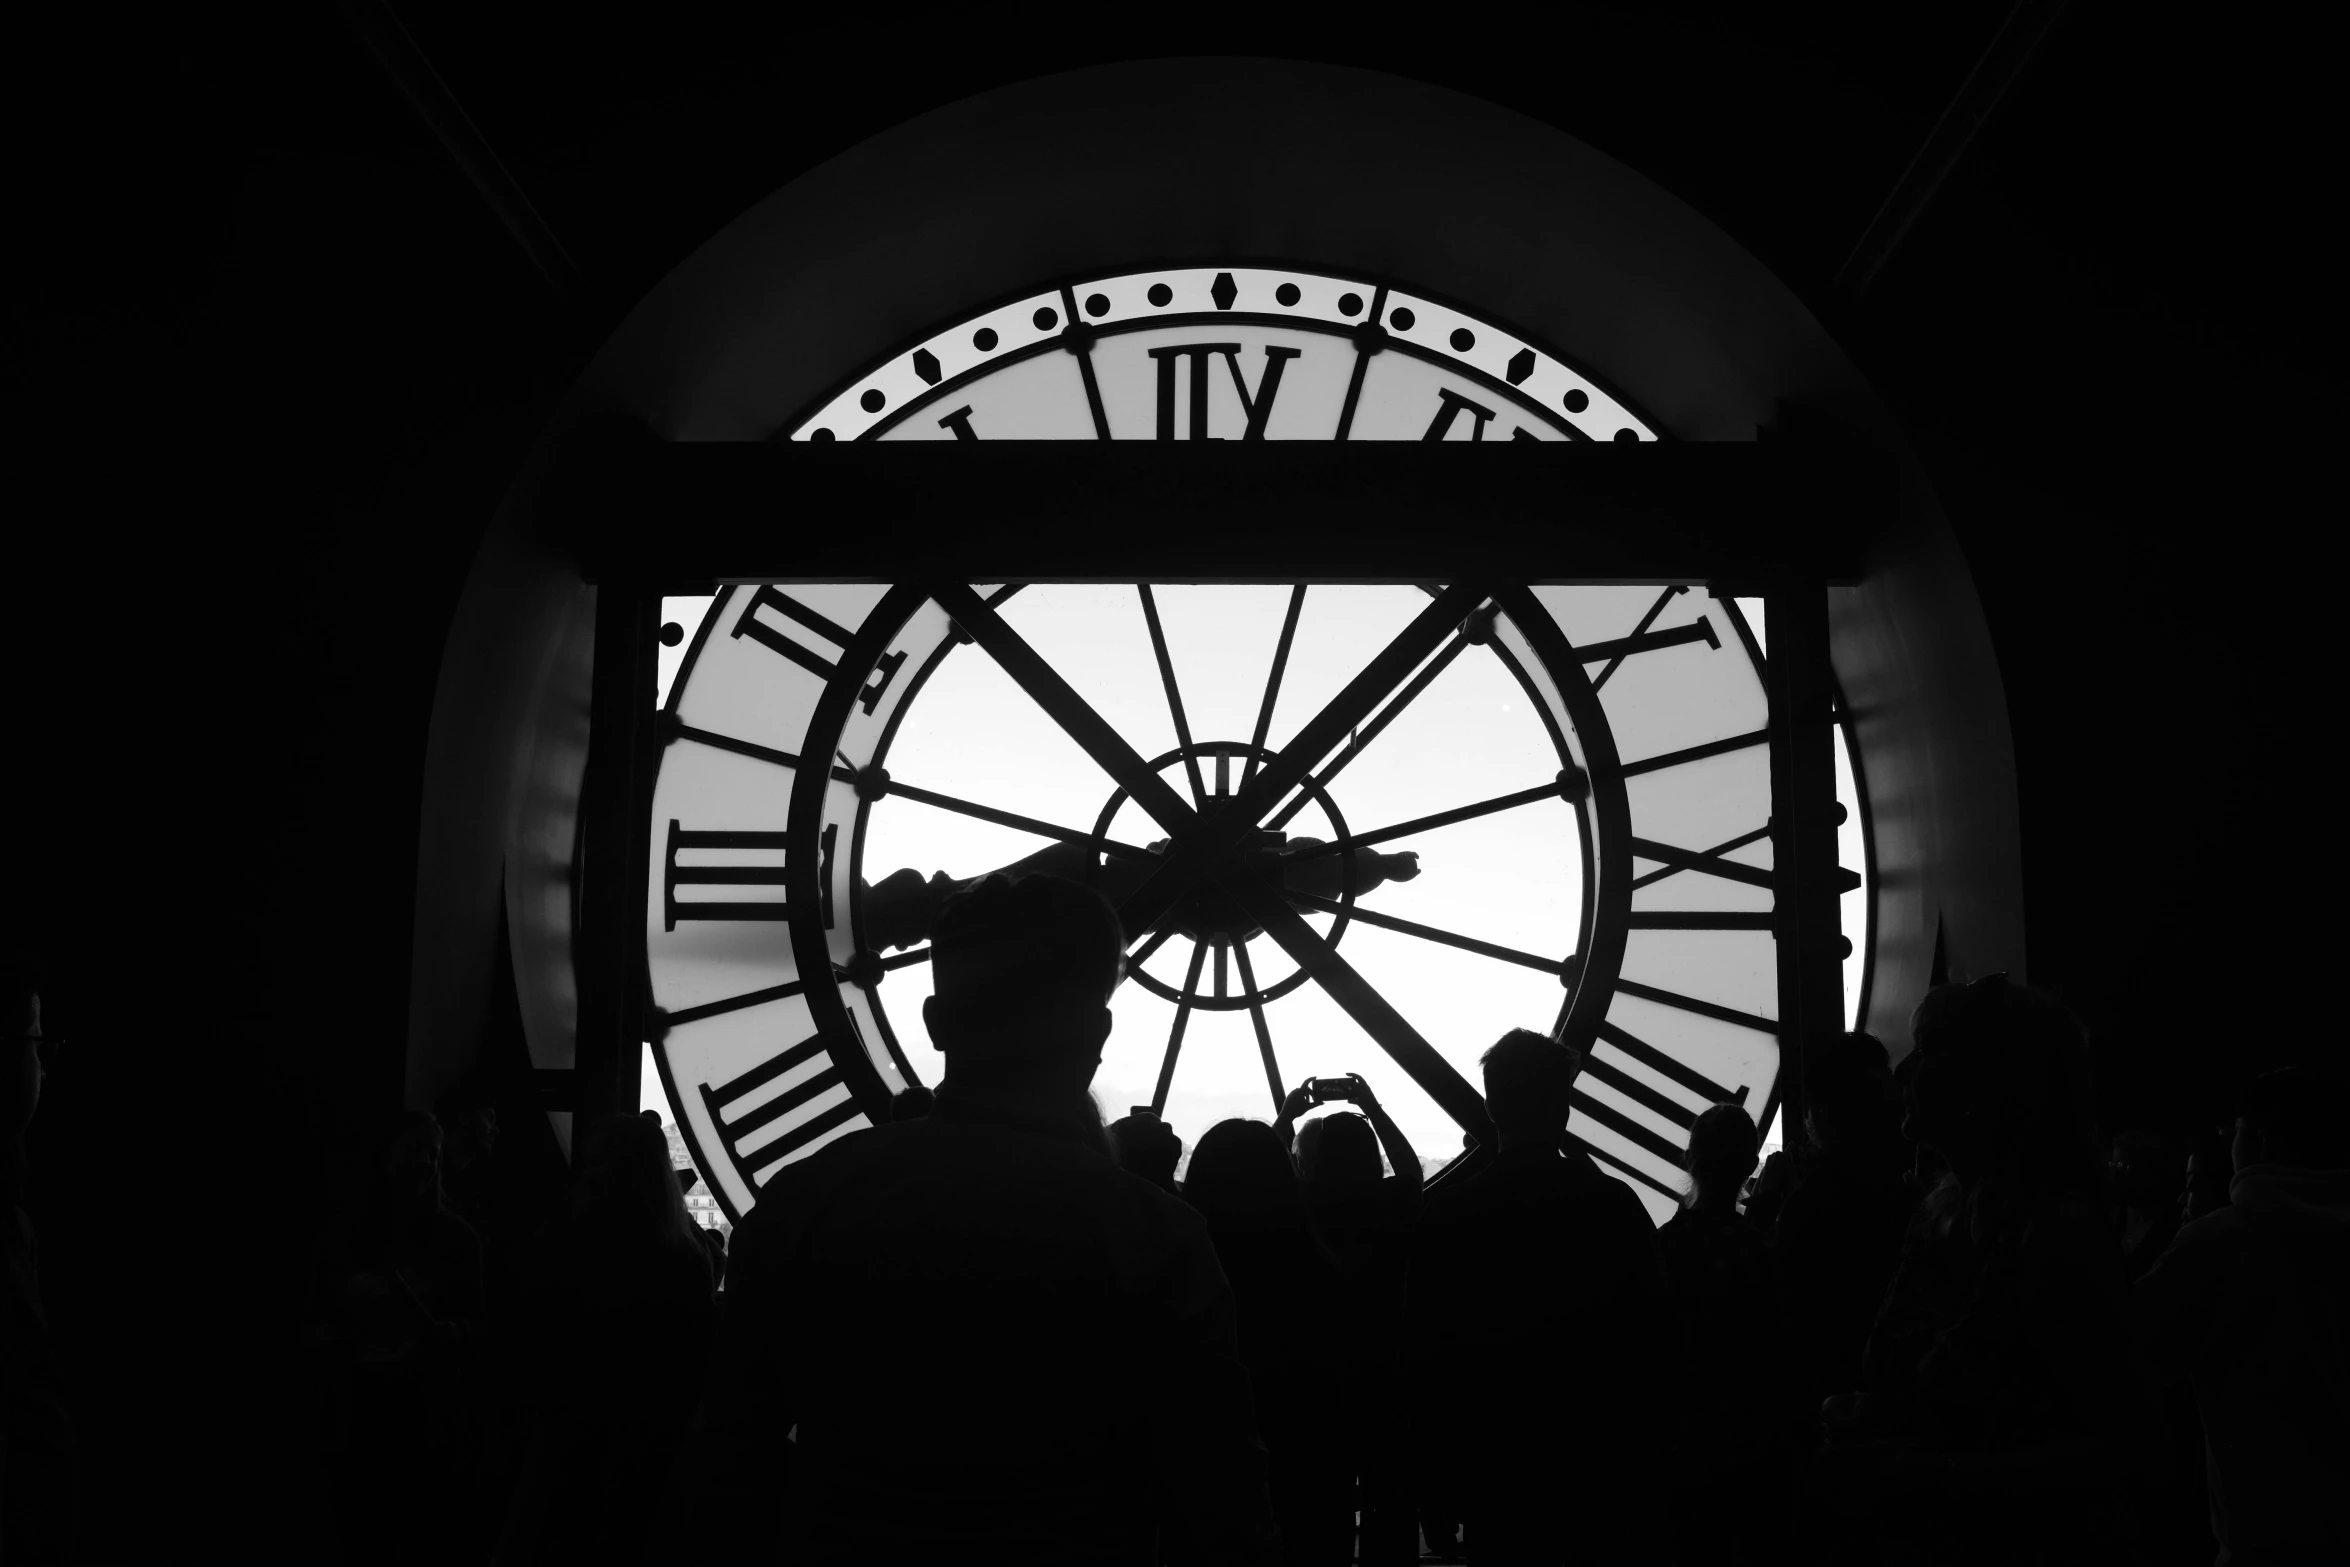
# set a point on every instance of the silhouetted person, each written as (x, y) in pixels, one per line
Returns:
(1732, 1431)
(1148, 1147)
(2252, 1304)
(396, 1316)
(1538, 1306)
(995, 1344)
(624, 1299)
(1367, 1218)
(910, 1104)
(2146, 1173)
(1304, 1353)
(2009, 1424)
(37, 1445)
(1839, 1228)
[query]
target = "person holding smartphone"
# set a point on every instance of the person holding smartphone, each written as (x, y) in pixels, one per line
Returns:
(1366, 1219)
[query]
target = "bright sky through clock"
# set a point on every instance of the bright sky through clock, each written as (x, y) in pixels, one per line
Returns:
(1512, 878)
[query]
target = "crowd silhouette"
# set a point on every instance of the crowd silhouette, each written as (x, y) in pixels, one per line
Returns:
(1945, 1325)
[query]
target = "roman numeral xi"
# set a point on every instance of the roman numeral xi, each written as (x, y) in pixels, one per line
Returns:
(795, 648)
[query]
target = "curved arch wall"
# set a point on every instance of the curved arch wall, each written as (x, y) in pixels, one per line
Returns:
(1127, 164)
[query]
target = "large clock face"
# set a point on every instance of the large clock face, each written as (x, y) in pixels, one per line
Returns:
(1352, 828)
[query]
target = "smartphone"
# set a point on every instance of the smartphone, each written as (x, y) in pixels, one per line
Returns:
(1142, 1110)
(1326, 1089)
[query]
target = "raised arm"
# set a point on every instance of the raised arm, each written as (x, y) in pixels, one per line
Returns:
(1391, 1138)
(1285, 1127)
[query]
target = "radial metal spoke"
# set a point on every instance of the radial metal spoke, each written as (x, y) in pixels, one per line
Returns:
(1256, 1016)
(1065, 707)
(1362, 1002)
(1362, 738)
(1199, 952)
(1150, 614)
(907, 959)
(1646, 621)
(1650, 878)
(1192, 848)
(1297, 602)
(1485, 949)
(1463, 813)
(988, 813)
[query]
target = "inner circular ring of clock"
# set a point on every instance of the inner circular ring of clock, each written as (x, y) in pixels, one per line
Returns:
(1556, 796)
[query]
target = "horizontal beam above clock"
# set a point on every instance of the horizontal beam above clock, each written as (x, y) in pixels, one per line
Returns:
(679, 515)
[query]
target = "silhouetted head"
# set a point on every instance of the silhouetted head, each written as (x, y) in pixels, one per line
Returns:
(626, 1188)
(1723, 1148)
(1528, 1078)
(1148, 1147)
(2146, 1168)
(1241, 1179)
(1023, 972)
(1345, 1156)
(2294, 1117)
(910, 1104)
(2001, 1086)
(1848, 1092)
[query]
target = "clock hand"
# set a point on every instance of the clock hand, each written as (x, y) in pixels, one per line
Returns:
(900, 909)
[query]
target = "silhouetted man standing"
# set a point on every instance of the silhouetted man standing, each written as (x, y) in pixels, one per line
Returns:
(996, 1344)
(2252, 1303)
(1539, 1307)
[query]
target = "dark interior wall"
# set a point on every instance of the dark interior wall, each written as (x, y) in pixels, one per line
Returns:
(280, 366)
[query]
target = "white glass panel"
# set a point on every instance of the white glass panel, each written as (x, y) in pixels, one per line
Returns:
(1702, 803)
(1731, 968)
(1596, 614)
(686, 612)
(1221, 641)
(1675, 697)
(1752, 609)
(1339, 632)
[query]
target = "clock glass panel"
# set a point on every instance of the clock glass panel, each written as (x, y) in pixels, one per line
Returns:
(1475, 806)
